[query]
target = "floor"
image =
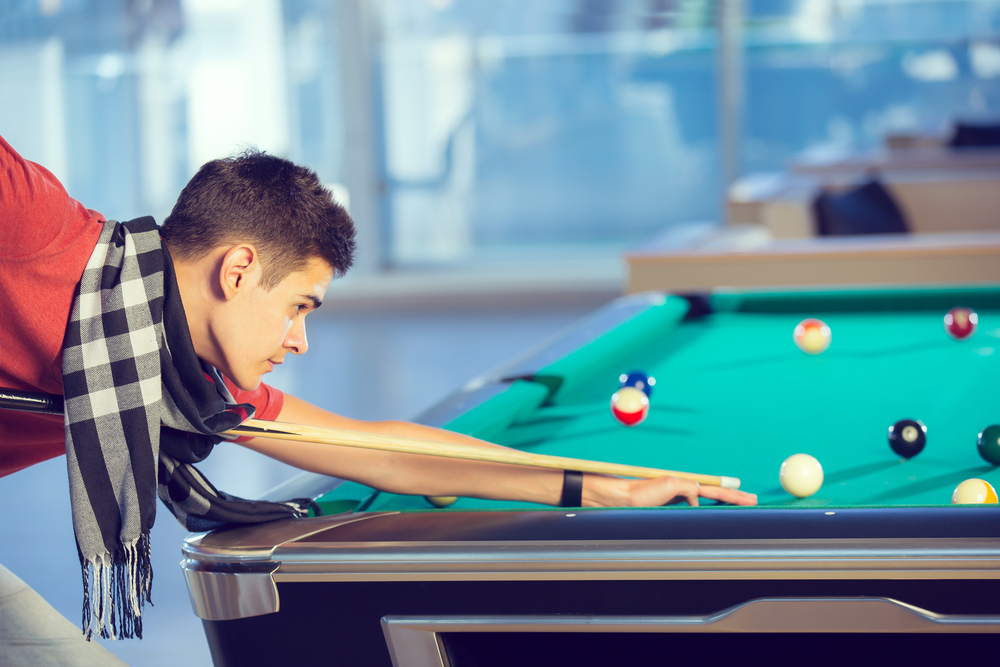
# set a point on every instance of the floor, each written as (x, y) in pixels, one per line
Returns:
(368, 364)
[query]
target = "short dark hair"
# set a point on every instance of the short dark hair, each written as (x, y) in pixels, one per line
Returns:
(280, 207)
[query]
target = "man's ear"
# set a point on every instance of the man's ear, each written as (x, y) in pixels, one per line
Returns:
(240, 270)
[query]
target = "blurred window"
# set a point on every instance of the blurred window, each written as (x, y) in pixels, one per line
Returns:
(532, 129)
(826, 78)
(124, 99)
(500, 129)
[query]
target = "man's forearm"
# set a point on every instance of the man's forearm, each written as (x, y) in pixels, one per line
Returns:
(407, 473)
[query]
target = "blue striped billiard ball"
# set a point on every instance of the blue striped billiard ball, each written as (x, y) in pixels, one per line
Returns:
(639, 380)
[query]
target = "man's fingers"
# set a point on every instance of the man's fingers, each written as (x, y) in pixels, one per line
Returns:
(678, 490)
(669, 490)
(693, 490)
(733, 496)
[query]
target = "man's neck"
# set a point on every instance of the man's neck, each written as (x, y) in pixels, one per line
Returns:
(195, 280)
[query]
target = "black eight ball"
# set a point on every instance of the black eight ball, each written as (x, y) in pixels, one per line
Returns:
(907, 437)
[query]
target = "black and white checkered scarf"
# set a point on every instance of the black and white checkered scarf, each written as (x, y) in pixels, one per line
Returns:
(140, 408)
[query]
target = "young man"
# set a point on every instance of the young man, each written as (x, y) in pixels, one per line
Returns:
(173, 328)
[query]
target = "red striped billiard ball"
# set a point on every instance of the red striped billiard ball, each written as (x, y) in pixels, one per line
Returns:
(812, 336)
(960, 323)
(630, 406)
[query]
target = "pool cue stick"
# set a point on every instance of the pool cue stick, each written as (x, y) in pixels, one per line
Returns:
(31, 401)
(391, 443)
(11, 399)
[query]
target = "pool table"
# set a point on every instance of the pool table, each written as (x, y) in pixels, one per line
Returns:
(878, 560)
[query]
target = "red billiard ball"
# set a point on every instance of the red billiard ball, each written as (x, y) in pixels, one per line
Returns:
(630, 406)
(960, 323)
(812, 336)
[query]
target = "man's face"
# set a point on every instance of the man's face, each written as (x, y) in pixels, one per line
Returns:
(265, 325)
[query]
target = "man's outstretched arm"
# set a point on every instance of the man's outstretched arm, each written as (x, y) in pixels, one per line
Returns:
(435, 476)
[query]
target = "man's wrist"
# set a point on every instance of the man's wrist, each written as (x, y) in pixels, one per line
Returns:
(572, 491)
(605, 491)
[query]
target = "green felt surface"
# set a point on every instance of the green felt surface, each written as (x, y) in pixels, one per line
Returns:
(490, 420)
(734, 396)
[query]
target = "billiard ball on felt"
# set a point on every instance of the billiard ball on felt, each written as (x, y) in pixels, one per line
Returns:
(907, 437)
(812, 336)
(960, 323)
(801, 475)
(988, 444)
(974, 492)
(629, 406)
(639, 380)
(440, 501)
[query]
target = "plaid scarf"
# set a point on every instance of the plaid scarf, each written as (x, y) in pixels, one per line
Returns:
(140, 408)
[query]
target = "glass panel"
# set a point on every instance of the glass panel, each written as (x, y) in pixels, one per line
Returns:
(540, 129)
(830, 77)
(124, 100)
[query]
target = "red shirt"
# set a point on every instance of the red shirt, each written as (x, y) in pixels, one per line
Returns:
(46, 239)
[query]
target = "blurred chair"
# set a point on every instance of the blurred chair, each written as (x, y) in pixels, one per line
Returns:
(866, 209)
(929, 201)
(973, 135)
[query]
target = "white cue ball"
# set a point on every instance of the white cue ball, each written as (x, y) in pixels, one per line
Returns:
(801, 475)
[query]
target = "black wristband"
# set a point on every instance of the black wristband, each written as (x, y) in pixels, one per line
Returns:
(572, 493)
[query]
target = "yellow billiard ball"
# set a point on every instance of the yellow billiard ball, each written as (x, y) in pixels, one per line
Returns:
(974, 492)
(801, 475)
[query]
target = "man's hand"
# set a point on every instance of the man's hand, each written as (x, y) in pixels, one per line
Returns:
(611, 491)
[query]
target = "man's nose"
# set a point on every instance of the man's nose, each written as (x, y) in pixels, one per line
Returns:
(295, 341)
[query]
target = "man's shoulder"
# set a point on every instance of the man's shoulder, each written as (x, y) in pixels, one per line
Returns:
(38, 218)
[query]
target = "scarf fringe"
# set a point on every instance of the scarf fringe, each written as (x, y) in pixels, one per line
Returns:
(115, 589)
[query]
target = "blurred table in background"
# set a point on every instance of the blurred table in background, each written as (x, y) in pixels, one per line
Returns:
(937, 189)
(703, 256)
(934, 158)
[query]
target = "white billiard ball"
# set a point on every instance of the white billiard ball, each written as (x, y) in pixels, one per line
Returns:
(801, 475)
